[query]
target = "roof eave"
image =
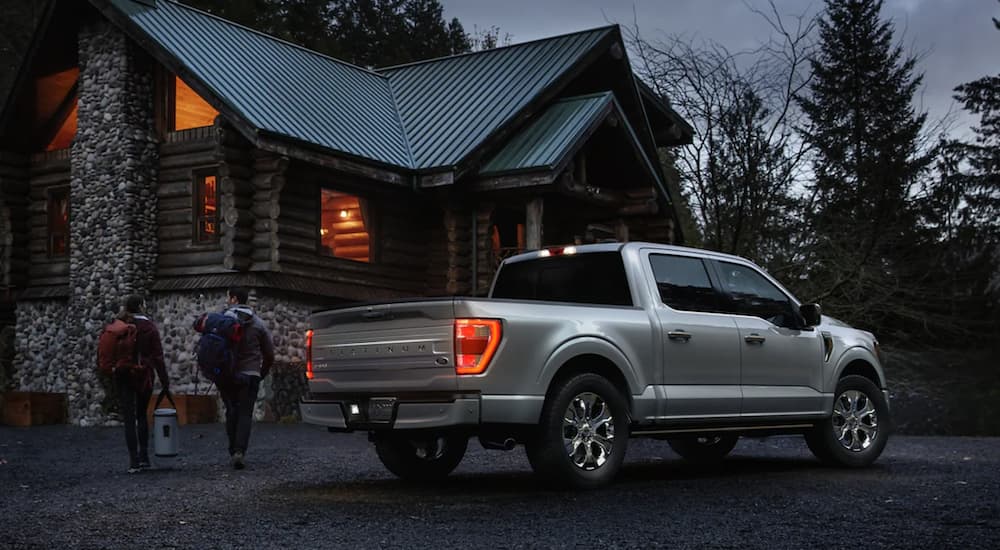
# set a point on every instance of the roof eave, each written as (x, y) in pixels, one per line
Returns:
(22, 72)
(332, 158)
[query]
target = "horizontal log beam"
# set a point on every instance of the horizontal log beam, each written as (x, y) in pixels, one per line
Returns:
(190, 259)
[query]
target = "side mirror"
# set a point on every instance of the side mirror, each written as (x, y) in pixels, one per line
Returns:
(811, 314)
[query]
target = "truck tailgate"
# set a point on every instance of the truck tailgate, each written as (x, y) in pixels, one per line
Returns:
(399, 347)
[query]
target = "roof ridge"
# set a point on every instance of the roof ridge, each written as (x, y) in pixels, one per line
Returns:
(402, 126)
(605, 93)
(274, 38)
(480, 52)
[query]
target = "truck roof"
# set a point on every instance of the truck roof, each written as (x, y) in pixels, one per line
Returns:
(617, 247)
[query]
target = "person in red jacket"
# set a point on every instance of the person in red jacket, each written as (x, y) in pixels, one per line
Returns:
(135, 385)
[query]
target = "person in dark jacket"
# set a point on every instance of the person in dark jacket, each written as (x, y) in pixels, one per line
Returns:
(254, 357)
(135, 385)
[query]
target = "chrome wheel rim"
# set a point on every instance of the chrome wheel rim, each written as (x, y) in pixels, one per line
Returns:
(588, 431)
(855, 422)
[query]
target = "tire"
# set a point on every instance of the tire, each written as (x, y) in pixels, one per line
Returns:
(856, 433)
(708, 450)
(427, 457)
(583, 434)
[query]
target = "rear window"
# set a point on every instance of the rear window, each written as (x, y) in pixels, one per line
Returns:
(592, 278)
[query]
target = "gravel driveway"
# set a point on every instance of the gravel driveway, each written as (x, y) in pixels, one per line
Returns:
(63, 486)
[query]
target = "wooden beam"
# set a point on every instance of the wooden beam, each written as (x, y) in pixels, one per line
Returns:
(334, 162)
(534, 213)
(515, 181)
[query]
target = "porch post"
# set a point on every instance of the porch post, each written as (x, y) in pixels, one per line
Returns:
(533, 223)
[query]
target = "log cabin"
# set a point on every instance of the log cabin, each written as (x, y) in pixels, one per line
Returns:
(153, 148)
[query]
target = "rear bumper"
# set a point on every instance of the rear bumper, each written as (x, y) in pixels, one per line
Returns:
(356, 413)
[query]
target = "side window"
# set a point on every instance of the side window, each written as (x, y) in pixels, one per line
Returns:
(345, 226)
(683, 283)
(57, 210)
(206, 208)
(750, 293)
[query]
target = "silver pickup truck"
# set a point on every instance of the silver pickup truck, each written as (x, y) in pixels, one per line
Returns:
(577, 349)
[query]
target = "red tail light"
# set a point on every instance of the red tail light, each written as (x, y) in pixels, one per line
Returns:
(309, 354)
(476, 340)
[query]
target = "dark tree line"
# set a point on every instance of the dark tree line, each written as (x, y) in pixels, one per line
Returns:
(368, 33)
(811, 159)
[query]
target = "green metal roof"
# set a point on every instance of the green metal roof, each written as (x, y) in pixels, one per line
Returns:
(547, 141)
(420, 116)
(279, 87)
(449, 106)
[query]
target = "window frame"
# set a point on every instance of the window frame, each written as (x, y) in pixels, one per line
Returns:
(710, 274)
(198, 177)
(729, 299)
(49, 233)
(371, 225)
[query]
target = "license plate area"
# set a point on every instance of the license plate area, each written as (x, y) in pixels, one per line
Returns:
(381, 409)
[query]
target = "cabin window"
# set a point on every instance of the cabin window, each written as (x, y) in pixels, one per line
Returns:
(57, 208)
(345, 226)
(206, 208)
(55, 109)
(187, 108)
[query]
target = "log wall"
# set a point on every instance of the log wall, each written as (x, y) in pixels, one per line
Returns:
(14, 221)
(450, 254)
(182, 155)
(46, 171)
(399, 229)
(236, 164)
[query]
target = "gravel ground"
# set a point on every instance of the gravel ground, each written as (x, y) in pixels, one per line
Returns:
(65, 486)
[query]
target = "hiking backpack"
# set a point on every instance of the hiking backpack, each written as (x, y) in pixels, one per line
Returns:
(216, 349)
(116, 347)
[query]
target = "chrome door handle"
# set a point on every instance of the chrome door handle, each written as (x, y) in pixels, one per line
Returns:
(679, 335)
(754, 339)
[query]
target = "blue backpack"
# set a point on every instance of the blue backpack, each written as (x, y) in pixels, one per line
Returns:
(216, 349)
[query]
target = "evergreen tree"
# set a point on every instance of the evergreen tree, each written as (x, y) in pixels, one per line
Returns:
(963, 208)
(866, 136)
(368, 33)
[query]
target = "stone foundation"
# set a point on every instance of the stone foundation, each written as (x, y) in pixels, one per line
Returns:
(44, 361)
(41, 349)
(174, 314)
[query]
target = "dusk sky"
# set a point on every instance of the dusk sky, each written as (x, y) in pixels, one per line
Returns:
(955, 39)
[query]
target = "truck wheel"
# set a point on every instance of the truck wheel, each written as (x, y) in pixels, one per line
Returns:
(703, 450)
(583, 434)
(424, 458)
(856, 433)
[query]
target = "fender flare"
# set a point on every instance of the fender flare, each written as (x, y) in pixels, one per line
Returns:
(852, 354)
(589, 345)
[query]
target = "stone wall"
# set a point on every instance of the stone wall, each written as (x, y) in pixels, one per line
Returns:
(285, 317)
(41, 350)
(114, 163)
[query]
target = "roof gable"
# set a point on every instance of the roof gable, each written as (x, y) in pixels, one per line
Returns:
(449, 106)
(547, 141)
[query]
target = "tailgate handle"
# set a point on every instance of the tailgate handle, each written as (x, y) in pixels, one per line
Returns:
(373, 315)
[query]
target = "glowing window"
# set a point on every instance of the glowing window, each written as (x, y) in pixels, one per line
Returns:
(206, 208)
(57, 209)
(189, 109)
(55, 109)
(344, 226)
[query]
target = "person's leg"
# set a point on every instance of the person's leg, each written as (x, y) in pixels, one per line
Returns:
(229, 400)
(142, 426)
(127, 399)
(247, 398)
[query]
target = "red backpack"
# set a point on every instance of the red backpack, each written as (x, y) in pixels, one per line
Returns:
(116, 347)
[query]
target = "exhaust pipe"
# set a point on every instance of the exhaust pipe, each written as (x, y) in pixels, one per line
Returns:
(505, 445)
